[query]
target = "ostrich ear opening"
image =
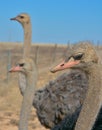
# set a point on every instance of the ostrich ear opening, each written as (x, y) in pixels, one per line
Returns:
(65, 65)
(15, 69)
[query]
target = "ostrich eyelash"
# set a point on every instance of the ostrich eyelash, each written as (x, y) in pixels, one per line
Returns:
(78, 56)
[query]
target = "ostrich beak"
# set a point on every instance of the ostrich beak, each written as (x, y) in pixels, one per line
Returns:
(13, 18)
(15, 69)
(64, 65)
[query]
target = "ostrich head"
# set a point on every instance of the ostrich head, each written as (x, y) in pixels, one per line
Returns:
(24, 66)
(22, 18)
(81, 56)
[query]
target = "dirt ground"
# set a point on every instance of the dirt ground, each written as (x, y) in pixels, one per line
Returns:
(10, 103)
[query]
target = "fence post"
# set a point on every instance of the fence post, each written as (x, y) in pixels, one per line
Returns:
(98, 44)
(8, 63)
(67, 48)
(54, 53)
(68, 45)
(36, 54)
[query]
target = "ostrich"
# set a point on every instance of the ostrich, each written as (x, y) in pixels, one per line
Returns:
(61, 97)
(83, 57)
(25, 21)
(28, 68)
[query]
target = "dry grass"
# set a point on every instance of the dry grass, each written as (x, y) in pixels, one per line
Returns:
(10, 97)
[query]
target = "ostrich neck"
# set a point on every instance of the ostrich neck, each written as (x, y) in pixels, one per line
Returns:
(92, 103)
(22, 82)
(27, 100)
(27, 39)
(26, 53)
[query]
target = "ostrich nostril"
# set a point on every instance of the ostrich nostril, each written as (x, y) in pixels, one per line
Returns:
(62, 65)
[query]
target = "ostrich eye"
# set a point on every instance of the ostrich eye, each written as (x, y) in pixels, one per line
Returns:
(78, 56)
(21, 17)
(21, 65)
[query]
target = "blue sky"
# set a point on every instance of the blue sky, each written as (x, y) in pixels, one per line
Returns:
(53, 21)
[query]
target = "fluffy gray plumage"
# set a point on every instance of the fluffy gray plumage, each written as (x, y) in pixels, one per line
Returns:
(60, 98)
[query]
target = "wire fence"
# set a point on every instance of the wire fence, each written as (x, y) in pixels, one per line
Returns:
(44, 55)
